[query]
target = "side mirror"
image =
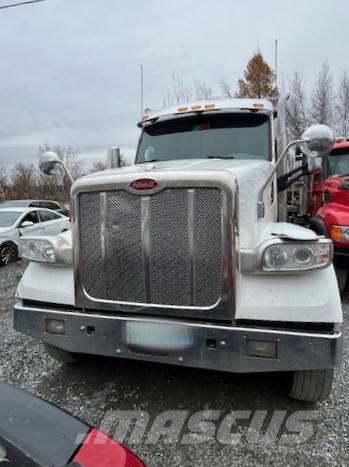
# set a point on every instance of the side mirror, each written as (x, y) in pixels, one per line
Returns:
(48, 161)
(318, 141)
(27, 224)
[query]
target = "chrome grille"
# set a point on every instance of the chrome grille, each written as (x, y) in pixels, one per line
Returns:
(163, 249)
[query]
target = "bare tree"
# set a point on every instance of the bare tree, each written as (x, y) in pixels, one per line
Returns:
(4, 182)
(296, 114)
(226, 90)
(203, 91)
(24, 181)
(322, 100)
(178, 93)
(342, 106)
(98, 166)
(124, 162)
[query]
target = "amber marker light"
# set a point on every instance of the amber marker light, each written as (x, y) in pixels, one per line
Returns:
(336, 233)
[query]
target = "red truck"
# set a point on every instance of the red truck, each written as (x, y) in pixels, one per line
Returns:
(329, 205)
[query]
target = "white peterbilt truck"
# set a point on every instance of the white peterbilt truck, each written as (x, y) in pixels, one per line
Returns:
(194, 255)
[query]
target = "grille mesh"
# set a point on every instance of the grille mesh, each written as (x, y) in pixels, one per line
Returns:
(170, 262)
(169, 270)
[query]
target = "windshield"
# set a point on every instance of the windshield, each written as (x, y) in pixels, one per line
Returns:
(8, 218)
(238, 136)
(14, 204)
(337, 163)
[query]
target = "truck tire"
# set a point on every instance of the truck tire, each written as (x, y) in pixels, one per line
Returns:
(311, 385)
(61, 355)
(342, 278)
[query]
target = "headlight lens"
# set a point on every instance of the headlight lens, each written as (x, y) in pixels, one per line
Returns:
(340, 233)
(295, 256)
(36, 250)
(48, 249)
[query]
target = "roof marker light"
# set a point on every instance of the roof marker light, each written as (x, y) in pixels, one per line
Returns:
(209, 106)
(258, 105)
(196, 107)
(182, 109)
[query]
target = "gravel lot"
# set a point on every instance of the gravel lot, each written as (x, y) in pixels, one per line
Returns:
(94, 389)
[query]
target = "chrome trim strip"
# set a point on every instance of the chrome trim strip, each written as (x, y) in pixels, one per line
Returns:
(191, 233)
(146, 244)
(103, 211)
(106, 304)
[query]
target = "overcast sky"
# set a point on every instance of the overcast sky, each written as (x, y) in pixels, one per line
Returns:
(70, 69)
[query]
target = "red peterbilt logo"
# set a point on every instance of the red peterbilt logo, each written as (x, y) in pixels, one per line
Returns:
(143, 184)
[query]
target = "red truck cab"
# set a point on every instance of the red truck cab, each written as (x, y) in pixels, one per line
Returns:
(329, 205)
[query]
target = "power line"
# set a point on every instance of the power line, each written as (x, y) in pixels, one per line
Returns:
(20, 4)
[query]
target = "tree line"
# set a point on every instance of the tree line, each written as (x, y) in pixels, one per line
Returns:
(26, 181)
(327, 102)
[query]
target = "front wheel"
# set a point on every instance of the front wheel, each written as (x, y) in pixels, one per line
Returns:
(8, 254)
(61, 355)
(311, 385)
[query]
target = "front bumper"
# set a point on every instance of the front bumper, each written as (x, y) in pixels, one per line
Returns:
(192, 344)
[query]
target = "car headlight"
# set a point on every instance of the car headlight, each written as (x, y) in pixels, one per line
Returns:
(46, 250)
(340, 233)
(289, 256)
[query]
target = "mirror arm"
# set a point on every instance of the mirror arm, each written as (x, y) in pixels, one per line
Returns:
(260, 204)
(66, 170)
(284, 181)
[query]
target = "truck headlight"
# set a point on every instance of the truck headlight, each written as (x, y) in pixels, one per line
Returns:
(340, 233)
(290, 256)
(46, 250)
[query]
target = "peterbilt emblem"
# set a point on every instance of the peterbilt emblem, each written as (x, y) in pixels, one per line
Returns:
(142, 184)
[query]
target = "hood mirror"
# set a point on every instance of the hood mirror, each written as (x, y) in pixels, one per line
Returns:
(48, 162)
(318, 141)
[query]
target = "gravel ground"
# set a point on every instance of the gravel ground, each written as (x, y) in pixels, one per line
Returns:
(93, 390)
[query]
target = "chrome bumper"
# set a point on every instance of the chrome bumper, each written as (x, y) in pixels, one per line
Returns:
(191, 344)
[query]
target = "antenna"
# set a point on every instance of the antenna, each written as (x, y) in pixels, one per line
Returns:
(276, 63)
(142, 92)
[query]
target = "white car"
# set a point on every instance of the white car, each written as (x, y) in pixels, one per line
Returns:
(18, 222)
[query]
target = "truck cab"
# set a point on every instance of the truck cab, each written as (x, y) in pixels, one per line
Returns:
(329, 205)
(187, 257)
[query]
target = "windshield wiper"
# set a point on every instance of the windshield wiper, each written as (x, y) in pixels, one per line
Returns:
(220, 157)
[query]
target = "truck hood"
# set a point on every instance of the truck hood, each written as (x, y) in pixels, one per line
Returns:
(233, 165)
(338, 189)
(250, 175)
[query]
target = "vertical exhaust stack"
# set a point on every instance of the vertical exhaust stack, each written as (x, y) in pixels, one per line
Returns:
(114, 158)
(282, 141)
